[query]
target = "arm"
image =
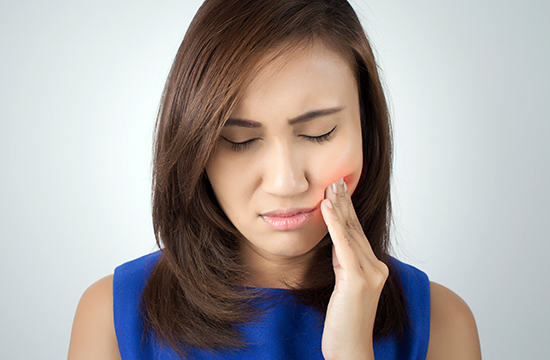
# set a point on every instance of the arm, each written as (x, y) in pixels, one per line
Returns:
(453, 331)
(93, 335)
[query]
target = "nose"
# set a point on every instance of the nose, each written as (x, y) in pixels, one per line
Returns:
(284, 172)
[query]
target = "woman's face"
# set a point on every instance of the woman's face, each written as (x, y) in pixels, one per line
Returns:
(296, 130)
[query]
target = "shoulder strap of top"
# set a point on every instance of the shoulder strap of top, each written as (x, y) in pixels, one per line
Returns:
(128, 284)
(416, 286)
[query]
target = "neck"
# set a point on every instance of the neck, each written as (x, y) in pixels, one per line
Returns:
(271, 271)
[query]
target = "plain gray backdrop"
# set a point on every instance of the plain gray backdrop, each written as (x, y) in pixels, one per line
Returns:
(468, 86)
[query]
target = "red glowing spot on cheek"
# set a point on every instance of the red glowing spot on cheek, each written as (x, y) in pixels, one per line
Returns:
(348, 167)
(350, 180)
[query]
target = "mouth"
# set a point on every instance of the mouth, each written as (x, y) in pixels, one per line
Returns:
(287, 219)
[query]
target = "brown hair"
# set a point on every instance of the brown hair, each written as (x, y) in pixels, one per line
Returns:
(193, 297)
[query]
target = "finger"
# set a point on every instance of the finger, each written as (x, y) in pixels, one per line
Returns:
(342, 222)
(340, 198)
(336, 192)
(352, 254)
(342, 252)
(338, 213)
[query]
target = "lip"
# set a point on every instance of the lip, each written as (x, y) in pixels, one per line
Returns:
(287, 219)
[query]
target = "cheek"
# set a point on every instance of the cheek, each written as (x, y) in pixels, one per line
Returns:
(345, 163)
(222, 179)
(232, 180)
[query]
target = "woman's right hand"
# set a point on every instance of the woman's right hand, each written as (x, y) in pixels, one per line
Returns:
(360, 277)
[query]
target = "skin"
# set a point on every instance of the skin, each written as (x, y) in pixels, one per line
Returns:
(93, 335)
(360, 277)
(283, 168)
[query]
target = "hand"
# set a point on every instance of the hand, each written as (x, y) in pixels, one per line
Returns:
(360, 277)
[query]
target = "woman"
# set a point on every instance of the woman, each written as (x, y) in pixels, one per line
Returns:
(273, 116)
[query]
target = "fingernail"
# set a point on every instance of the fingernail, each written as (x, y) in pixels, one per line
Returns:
(341, 181)
(329, 204)
(334, 188)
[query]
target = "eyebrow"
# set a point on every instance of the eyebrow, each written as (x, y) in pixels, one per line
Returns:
(299, 119)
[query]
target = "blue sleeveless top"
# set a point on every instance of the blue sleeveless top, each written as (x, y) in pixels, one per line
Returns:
(286, 330)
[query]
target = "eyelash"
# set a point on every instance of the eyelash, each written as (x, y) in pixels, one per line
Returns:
(241, 146)
(320, 138)
(246, 144)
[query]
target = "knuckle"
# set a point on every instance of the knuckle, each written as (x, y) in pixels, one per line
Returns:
(382, 272)
(341, 194)
(347, 238)
(336, 204)
(378, 275)
(354, 225)
(382, 266)
(371, 278)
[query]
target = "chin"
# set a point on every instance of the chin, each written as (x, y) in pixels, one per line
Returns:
(291, 245)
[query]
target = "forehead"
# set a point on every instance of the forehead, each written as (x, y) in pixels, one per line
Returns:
(300, 76)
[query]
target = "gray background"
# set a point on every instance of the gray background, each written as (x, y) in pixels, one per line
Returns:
(468, 86)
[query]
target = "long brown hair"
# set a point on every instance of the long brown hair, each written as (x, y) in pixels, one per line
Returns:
(193, 297)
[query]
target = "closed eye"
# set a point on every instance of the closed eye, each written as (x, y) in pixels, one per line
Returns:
(320, 138)
(238, 146)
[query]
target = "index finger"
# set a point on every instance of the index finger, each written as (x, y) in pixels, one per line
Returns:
(338, 199)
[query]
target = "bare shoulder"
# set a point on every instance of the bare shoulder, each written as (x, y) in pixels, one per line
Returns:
(453, 330)
(93, 335)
